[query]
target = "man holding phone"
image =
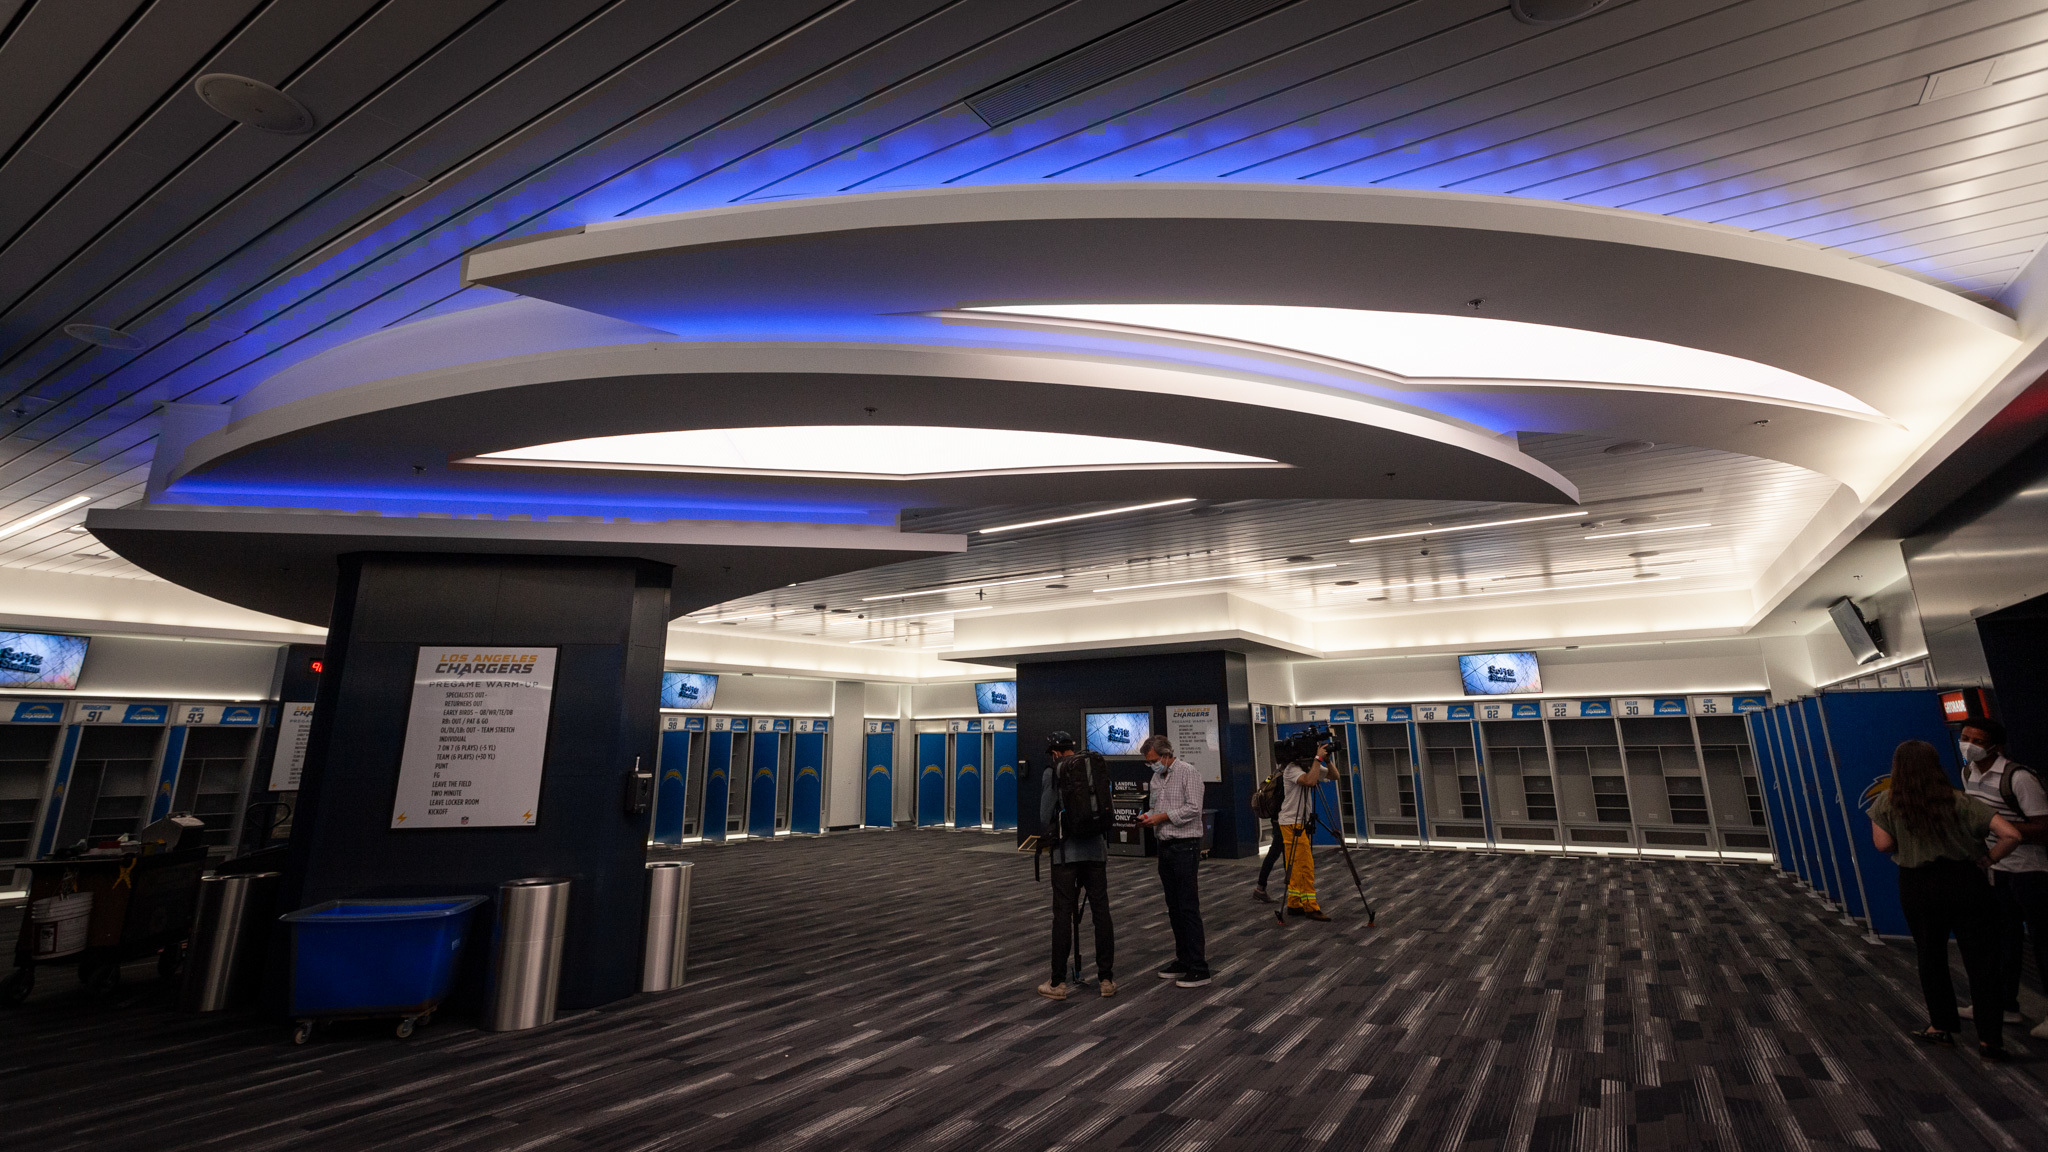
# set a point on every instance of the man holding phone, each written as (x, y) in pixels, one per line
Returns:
(1176, 822)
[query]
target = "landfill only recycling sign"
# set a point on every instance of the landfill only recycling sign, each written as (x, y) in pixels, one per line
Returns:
(476, 737)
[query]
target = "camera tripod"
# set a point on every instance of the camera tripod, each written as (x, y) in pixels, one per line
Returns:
(1317, 820)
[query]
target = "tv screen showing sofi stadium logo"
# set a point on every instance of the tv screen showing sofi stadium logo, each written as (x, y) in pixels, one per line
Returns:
(38, 660)
(1118, 733)
(1498, 672)
(688, 689)
(995, 696)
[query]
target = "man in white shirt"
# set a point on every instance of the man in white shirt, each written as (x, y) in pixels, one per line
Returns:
(1176, 820)
(2020, 880)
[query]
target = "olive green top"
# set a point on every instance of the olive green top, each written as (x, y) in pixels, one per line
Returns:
(1960, 838)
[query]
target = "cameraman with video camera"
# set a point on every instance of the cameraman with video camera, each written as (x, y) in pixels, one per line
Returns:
(1305, 765)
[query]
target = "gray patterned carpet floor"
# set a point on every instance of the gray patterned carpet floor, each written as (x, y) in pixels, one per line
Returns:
(873, 991)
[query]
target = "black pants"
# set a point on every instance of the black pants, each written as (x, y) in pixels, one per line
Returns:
(1179, 860)
(1068, 880)
(1273, 853)
(1951, 896)
(2023, 912)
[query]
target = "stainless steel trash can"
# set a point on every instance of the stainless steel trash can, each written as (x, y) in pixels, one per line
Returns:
(224, 961)
(526, 953)
(668, 926)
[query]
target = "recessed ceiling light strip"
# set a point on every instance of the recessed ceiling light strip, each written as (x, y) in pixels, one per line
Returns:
(1085, 515)
(927, 615)
(965, 587)
(748, 616)
(1462, 528)
(1560, 588)
(1218, 576)
(50, 513)
(1647, 531)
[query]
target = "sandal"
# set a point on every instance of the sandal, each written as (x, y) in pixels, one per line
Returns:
(1934, 1036)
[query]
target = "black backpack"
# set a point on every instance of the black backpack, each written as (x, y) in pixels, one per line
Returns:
(1081, 798)
(2012, 802)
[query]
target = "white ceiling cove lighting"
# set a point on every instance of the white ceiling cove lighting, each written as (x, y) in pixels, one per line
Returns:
(928, 615)
(1219, 576)
(1559, 588)
(865, 452)
(1085, 515)
(1425, 348)
(1461, 528)
(35, 518)
(1647, 531)
(963, 587)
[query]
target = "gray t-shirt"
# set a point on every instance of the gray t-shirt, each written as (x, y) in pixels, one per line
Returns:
(2033, 802)
(1068, 851)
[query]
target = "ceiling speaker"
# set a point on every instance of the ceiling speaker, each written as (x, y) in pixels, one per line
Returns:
(1554, 11)
(254, 103)
(103, 336)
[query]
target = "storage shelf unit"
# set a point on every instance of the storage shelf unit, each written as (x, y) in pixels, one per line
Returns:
(1669, 776)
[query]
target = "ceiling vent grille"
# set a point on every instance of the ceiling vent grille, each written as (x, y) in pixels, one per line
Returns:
(1119, 53)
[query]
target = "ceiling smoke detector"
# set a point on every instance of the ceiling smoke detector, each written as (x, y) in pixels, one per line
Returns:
(104, 336)
(1554, 11)
(254, 103)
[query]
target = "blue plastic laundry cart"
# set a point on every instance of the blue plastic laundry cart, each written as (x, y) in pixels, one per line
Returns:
(372, 959)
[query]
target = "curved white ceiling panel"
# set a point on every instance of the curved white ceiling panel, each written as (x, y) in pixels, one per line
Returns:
(866, 452)
(1432, 348)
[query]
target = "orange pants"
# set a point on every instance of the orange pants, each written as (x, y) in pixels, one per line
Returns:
(1299, 853)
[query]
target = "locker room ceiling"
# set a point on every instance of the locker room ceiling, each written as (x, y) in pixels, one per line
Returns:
(1903, 137)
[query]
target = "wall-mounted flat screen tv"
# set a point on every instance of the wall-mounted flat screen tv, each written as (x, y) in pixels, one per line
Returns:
(41, 660)
(688, 689)
(995, 696)
(1865, 642)
(1500, 673)
(1116, 733)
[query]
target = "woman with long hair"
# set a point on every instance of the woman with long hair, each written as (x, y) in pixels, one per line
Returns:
(1937, 835)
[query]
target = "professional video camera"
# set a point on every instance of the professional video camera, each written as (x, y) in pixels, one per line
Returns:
(1303, 744)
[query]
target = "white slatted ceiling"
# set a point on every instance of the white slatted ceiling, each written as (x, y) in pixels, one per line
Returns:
(448, 123)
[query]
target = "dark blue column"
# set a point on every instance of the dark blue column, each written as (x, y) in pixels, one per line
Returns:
(607, 620)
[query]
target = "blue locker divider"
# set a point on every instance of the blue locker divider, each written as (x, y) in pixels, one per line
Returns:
(1360, 819)
(1832, 816)
(761, 784)
(1005, 759)
(931, 779)
(1420, 793)
(67, 756)
(717, 784)
(1326, 792)
(967, 780)
(671, 792)
(879, 811)
(1485, 785)
(1770, 779)
(1827, 873)
(1795, 800)
(1862, 730)
(168, 767)
(806, 795)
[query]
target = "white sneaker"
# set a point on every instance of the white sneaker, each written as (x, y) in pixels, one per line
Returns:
(1967, 1012)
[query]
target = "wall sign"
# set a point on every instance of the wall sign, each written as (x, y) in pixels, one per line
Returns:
(88, 712)
(813, 725)
(1400, 713)
(476, 738)
(881, 727)
(1428, 713)
(294, 724)
(211, 715)
(1341, 716)
(37, 712)
(1495, 711)
(1196, 732)
(1633, 706)
(1527, 710)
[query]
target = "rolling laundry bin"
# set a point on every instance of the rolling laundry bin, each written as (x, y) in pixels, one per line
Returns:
(371, 959)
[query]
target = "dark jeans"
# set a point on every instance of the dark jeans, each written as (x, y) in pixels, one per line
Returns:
(2023, 910)
(1273, 852)
(1068, 880)
(1951, 896)
(1179, 860)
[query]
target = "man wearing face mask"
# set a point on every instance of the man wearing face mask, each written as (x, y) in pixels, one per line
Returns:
(2020, 880)
(1176, 820)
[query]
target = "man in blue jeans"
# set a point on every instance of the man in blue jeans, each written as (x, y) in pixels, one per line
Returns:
(1176, 820)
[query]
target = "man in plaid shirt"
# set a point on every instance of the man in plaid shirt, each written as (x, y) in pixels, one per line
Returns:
(1176, 819)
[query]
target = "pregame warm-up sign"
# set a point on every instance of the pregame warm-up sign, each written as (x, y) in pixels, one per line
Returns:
(476, 737)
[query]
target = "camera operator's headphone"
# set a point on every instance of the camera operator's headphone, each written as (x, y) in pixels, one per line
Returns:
(1059, 742)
